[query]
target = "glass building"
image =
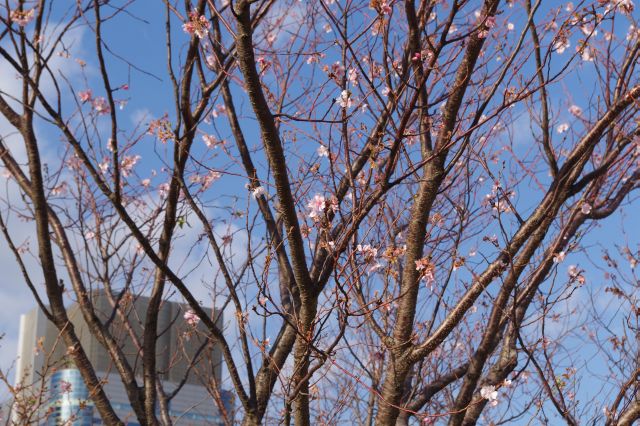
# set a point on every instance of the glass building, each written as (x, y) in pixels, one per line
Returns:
(42, 362)
(69, 402)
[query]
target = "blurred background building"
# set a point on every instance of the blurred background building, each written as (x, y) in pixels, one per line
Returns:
(53, 389)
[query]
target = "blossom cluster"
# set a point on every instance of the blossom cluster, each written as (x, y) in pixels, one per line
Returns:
(191, 318)
(22, 17)
(198, 25)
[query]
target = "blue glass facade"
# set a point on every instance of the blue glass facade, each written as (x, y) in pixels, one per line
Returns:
(70, 405)
(69, 402)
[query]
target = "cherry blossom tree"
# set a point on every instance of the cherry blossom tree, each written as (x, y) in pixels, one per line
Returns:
(406, 209)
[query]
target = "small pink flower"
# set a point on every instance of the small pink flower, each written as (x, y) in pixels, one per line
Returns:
(575, 110)
(585, 208)
(101, 106)
(127, 164)
(585, 53)
(385, 8)
(210, 141)
(426, 269)
(337, 70)
(368, 251)
(209, 178)
(322, 151)
(344, 100)
(573, 271)
(125, 87)
(198, 25)
(352, 76)
(561, 44)
(490, 393)
(65, 387)
(163, 190)
(60, 189)
(258, 191)
(22, 17)
(417, 57)
(263, 62)
(625, 6)
(317, 205)
(85, 95)
(489, 23)
(562, 128)
(191, 318)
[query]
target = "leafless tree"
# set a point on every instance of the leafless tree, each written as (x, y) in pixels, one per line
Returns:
(381, 195)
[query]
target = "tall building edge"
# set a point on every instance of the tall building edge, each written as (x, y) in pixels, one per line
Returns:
(21, 348)
(175, 349)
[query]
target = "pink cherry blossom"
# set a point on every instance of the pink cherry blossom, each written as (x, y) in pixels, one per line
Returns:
(198, 25)
(368, 251)
(163, 190)
(575, 110)
(65, 387)
(101, 106)
(489, 23)
(559, 257)
(337, 70)
(209, 178)
(585, 53)
(211, 141)
(22, 17)
(573, 271)
(60, 189)
(85, 95)
(561, 44)
(490, 393)
(322, 151)
(263, 62)
(104, 165)
(258, 191)
(191, 318)
(562, 128)
(127, 164)
(352, 76)
(585, 208)
(317, 205)
(625, 6)
(344, 100)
